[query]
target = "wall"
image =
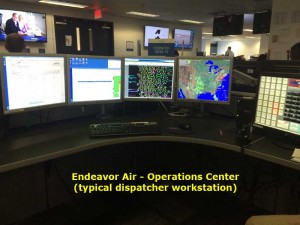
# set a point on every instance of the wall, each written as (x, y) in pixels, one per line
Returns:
(124, 29)
(264, 43)
(285, 27)
(246, 47)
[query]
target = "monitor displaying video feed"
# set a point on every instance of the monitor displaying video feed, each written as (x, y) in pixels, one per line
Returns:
(278, 102)
(32, 82)
(94, 79)
(184, 38)
(152, 32)
(149, 79)
(30, 25)
(204, 79)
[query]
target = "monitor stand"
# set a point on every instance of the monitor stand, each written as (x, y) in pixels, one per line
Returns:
(199, 112)
(286, 141)
(4, 126)
(103, 113)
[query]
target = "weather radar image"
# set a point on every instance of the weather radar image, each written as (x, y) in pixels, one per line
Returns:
(204, 79)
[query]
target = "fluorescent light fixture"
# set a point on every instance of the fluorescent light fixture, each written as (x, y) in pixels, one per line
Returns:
(69, 4)
(252, 37)
(141, 14)
(248, 30)
(207, 33)
(191, 21)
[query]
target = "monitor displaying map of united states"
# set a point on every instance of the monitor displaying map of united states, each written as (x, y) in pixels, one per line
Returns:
(204, 79)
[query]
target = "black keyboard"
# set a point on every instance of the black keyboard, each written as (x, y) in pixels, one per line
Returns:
(124, 129)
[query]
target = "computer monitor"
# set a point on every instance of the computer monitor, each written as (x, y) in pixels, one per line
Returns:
(262, 22)
(153, 32)
(278, 103)
(31, 82)
(184, 38)
(228, 25)
(149, 79)
(204, 79)
(31, 25)
(93, 79)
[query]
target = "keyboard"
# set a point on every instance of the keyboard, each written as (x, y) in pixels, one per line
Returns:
(124, 129)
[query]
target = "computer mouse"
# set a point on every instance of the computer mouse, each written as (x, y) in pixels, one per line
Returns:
(185, 126)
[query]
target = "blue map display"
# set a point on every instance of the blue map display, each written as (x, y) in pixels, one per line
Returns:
(206, 80)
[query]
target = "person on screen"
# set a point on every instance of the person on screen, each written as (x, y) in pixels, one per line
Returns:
(295, 51)
(14, 43)
(12, 24)
(229, 52)
(22, 24)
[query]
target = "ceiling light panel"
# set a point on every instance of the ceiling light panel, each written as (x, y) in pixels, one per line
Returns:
(141, 14)
(60, 3)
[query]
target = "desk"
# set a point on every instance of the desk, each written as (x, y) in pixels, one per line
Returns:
(53, 141)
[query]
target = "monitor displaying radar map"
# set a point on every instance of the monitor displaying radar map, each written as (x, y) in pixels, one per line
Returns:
(204, 79)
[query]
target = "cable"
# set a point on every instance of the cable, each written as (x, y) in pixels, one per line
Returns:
(174, 114)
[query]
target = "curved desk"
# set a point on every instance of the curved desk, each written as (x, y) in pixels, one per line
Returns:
(53, 141)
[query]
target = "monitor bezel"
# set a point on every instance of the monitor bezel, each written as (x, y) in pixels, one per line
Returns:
(172, 99)
(180, 45)
(34, 108)
(263, 126)
(95, 102)
(26, 11)
(205, 101)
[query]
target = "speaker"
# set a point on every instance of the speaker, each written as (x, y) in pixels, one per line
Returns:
(245, 118)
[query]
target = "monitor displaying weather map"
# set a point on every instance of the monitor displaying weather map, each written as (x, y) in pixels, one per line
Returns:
(204, 79)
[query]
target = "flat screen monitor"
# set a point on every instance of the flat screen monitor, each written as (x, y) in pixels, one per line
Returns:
(94, 79)
(278, 102)
(262, 22)
(149, 79)
(30, 25)
(204, 79)
(228, 25)
(152, 32)
(32, 82)
(184, 38)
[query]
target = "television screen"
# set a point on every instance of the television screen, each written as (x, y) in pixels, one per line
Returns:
(94, 79)
(30, 25)
(149, 79)
(262, 22)
(205, 79)
(184, 38)
(228, 25)
(152, 32)
(32, 82)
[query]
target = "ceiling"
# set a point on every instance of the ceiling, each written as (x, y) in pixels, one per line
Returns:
(174, 10)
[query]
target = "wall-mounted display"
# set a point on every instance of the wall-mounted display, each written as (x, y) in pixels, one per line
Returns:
(30, 25)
